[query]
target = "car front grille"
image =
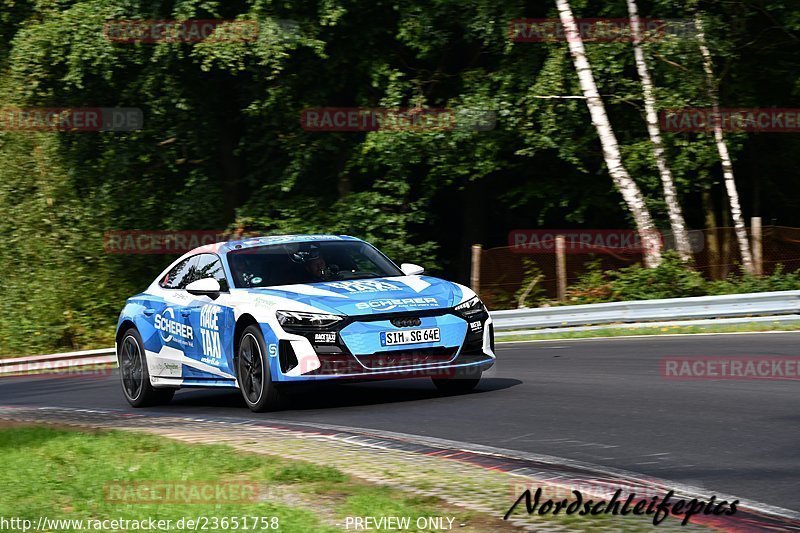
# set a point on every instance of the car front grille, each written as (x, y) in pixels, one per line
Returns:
(337, 359)
(408, 358)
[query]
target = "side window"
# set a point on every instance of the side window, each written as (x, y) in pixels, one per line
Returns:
(209, 266)
(178, 276)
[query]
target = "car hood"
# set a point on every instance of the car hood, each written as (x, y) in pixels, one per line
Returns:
(371, 296)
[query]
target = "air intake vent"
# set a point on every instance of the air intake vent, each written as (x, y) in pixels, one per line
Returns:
(286, 356)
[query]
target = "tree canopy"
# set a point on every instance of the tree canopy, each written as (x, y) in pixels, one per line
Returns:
(222, 146)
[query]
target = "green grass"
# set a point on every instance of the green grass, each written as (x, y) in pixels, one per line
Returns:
(61, 474)
(663, 330)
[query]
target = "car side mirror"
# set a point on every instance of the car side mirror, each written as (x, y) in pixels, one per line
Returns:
(410, 269)
(204, 287)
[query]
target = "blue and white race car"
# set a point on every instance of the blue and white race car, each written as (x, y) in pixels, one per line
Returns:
(261, 313)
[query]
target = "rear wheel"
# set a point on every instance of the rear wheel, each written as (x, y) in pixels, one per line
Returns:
(134, 375)
(462, 382)
(255, 380)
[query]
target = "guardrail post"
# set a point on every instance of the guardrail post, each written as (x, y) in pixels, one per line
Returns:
(475, 273)
(757, 245)
(561, 267)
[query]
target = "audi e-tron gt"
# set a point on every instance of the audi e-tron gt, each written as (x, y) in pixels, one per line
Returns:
(261, 313)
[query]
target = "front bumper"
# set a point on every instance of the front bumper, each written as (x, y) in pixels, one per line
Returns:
(353, 351)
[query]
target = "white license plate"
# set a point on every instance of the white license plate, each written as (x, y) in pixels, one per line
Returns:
(409, 336)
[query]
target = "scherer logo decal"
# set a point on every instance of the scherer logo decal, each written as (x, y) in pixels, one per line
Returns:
(166, 324)
(387, 304)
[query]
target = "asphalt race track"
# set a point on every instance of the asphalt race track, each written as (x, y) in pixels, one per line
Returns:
(596, 401)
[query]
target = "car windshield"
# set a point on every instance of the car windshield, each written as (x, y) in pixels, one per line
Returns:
(308, 262)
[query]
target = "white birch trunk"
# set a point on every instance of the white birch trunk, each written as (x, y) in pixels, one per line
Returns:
(676, 219)
(630, 192)
(724, 156)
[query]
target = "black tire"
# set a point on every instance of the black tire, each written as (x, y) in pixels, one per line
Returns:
(133, 373)
(462, 383)
(252, 371)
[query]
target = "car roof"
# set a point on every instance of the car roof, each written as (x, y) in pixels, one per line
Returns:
(251, 242)
(222, 248)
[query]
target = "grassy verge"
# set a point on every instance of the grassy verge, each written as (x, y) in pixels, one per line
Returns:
(663, 330)
(107, 475)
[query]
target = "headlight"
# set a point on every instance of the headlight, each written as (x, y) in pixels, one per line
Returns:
(300, 320)
(470, 307)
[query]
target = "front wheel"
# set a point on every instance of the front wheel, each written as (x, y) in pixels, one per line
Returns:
(134, 375)
(255, 380)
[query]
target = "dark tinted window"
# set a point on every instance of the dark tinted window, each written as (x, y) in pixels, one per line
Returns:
(308, 262)
(208, 266)
(177, 277)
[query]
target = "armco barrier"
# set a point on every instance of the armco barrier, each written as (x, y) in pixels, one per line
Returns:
(727, 306)
(48, 363)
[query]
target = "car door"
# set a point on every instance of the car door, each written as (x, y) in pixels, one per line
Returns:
(165, 313)
(210, 322)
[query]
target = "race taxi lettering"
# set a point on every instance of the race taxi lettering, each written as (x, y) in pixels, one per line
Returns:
(209, 333)
(327, 338)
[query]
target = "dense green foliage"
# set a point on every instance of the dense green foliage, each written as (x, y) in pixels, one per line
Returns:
(673, 278)
(222, 146)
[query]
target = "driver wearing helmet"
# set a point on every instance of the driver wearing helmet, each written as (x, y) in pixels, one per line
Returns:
(314, 264)
(318, 268)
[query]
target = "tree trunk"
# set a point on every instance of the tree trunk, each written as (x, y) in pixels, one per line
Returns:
(676, 219)
(344, 185)
(724, 156)
(630, 192)
(725, 263)
(712, 235)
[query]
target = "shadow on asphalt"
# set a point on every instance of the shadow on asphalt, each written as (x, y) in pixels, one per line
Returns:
(336, 395)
